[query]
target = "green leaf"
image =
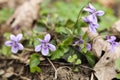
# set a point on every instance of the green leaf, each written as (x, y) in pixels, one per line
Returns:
(35, 69)
(61, 50)
(60, 30)
(91, 59)
(7, 35)
(69, 31)
(78, 62)
(67, 41)
(6, 50)
(84, 37)
(5, 13)
(117, 63)
(34, 62)
(69, 24)
(72, 58)
(84, 49)
(78, 31)
(118, 76)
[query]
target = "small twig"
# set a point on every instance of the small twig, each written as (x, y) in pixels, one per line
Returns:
(53, 68)
(91, 77)
(64, 67)
(20, 59)
(28, 49)
(86, 67)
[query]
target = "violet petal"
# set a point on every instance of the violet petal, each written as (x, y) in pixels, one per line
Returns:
(90, 8)
(13, 37)
(19, 37)
(88, 46)
(92, 18)
(92, 28)
(38, 48)
(114, 44)
(52, 47)
(8, 43)
(95, 25)
(47, 37)
(45, 51)
(20, 46)
(100, 13)
(107, 37)
(113, 38)
(85, 19)
(14, 49)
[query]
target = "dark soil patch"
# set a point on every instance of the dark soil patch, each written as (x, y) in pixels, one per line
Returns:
(13, 69)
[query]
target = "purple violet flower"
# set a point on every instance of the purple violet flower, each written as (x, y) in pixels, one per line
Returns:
(14, 43)
(111, 40)
(45, 45)
(88, 46)
(91, 20)
(91, 9)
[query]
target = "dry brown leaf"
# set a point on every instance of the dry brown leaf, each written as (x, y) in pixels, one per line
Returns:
(4, 28)
(24, 16)
(1, 72)
(105, 67)
(115, 29)
(116, 8)
(3, 1)
(10, 3)
(106, 3)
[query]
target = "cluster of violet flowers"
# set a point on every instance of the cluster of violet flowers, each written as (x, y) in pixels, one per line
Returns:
(44, 47)
(113, 43)
(91, 19)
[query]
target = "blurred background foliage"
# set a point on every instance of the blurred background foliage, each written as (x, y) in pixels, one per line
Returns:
(5, 13)
(64, 12)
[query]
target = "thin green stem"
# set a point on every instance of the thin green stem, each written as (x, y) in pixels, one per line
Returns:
(80, 12)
